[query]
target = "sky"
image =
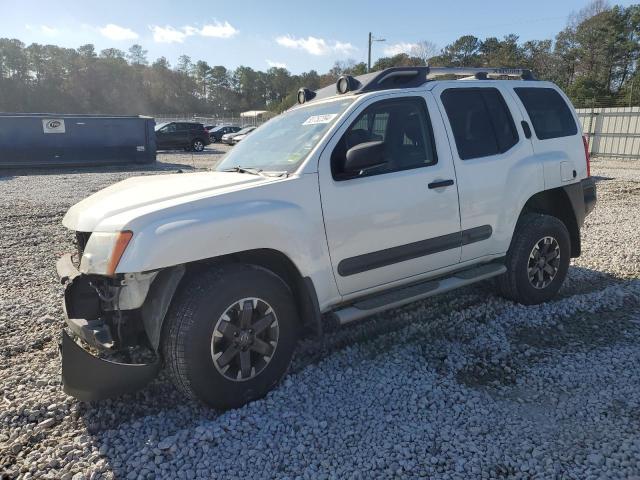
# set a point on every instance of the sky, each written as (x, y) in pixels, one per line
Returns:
(296, 35)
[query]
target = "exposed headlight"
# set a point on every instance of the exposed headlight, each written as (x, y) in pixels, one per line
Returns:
(104, 251)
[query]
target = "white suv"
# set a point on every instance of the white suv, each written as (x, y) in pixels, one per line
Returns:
(370, 194)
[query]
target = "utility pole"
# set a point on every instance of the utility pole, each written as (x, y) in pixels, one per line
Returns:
(371, 40)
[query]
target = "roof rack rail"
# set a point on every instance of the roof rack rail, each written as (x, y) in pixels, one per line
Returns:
(407, 77)
(480, 73)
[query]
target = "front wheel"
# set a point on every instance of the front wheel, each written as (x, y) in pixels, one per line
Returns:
(230, 335)
(537, 261)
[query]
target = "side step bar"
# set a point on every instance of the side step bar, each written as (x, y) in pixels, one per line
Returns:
(402, 296)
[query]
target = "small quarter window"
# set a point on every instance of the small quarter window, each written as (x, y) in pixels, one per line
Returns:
(549, 113)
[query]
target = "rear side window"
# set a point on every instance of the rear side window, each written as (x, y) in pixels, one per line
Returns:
(480, 120)
(549, 113)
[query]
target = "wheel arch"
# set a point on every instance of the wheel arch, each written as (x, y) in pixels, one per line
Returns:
(163, 292)
(302, 288)
(557, 203)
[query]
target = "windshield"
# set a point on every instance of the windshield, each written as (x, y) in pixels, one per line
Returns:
(159, 126)
(284, 142)
(246, 130)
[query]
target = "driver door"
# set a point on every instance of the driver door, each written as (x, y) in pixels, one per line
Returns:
(397, 220)
(166, 136)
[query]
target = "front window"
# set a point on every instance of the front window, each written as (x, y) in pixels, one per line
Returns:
(283, 143)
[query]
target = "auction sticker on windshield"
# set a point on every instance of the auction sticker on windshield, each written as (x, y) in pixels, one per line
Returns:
(316, 119)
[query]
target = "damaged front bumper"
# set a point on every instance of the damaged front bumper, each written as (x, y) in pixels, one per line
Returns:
(87, 377)
(84, 375)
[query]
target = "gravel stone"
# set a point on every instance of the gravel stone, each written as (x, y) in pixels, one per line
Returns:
(464, 385)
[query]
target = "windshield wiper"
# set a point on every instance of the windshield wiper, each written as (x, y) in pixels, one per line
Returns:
(270, 173)
(256, 171)
(239, 169)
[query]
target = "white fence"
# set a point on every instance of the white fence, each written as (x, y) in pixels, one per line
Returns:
(613, 132)
(207, 119)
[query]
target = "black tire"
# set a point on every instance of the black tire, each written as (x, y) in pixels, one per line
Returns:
(197, 145)
(521, 263)
(188, 332)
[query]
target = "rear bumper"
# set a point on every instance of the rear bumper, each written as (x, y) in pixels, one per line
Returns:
(84, 375)
(582, 196)
(589, 194)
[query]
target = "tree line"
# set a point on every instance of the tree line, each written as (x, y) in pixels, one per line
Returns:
(594, 59)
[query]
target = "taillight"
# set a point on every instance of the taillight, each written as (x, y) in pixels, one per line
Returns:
(585, 142)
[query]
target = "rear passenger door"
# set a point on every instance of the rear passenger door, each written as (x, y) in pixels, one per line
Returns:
(495, 166)
(183, 133)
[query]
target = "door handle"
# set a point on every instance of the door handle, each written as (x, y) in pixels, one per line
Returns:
(441, 183)
(526, 129)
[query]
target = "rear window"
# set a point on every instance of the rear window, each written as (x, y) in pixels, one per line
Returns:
(480, 120)
(549, 113)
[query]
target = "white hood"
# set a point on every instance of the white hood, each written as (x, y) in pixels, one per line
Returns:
(153, 192)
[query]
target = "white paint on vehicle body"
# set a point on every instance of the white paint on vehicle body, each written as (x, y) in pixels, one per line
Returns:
(317, 222)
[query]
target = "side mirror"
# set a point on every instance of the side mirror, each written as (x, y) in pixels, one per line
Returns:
(365, 155)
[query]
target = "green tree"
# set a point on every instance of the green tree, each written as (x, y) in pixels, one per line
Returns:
(185, 65)
(137, 55)
(464, 52)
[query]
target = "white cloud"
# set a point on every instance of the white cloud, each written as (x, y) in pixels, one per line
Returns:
(169, 34)
(397, 48)
(314, 45)
(49, 30)
(44, 29)
(271, 63)
(344, 48)
(116, 32)
(218, 30)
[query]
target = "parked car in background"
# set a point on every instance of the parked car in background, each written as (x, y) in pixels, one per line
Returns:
(241, 134)
(181, 135)
(216, 134)
(228, 137)
(208, 128)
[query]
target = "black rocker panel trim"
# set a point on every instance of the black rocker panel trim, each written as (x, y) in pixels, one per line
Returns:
(402, 253)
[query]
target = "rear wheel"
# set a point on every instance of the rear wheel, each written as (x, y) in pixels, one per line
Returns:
(230, 335)
(197, 145)
(537, 261)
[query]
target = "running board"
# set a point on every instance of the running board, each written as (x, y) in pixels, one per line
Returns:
(402, 296)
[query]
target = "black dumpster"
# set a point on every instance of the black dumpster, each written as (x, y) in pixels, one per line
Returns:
(52, 139)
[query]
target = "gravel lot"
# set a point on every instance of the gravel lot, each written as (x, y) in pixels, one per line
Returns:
(466, 385)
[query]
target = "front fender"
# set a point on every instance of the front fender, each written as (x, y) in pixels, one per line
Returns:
(202, 234)
(289, 221)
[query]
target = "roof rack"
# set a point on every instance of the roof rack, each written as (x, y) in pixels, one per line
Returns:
(407, 77)
(480, 73)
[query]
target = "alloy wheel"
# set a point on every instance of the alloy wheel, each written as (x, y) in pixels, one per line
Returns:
(544, 262)
(244, 339)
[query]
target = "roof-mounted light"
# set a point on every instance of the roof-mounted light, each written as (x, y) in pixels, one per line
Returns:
(346, 83)
(304, 95)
